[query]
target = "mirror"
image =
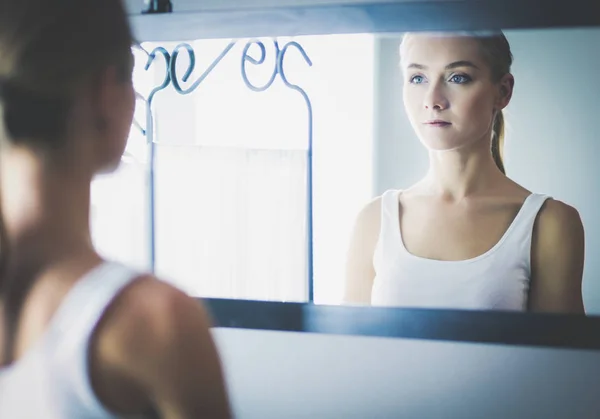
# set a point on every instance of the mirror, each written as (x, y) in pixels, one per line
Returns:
(230, 168)
(550, 144)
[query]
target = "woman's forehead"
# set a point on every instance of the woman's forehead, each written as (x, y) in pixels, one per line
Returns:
(439, 49)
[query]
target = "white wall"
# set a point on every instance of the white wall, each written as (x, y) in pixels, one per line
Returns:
(552, 142)
(302, 375)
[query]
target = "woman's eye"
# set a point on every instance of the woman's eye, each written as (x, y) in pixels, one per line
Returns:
(460, 79)
(417, 79)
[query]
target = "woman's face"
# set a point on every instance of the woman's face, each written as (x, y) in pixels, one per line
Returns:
(448, 93)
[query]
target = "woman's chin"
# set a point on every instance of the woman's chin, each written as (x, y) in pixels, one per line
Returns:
(441, 144)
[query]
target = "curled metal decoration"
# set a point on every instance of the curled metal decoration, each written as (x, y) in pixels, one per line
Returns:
(192, 64)
(149, 132)
(171, 77)
(167, 80)
(136, 124)
(309, 169)
(263, 55)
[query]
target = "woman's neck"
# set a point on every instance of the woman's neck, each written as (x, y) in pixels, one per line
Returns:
(458, 174)
(43, 207)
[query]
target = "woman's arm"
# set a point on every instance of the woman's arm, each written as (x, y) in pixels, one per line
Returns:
(359, 261)
(154, 350)
(557, 259)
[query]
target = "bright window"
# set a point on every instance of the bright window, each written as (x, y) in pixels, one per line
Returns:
(231, 172)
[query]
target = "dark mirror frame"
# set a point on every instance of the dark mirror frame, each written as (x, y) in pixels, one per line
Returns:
(192, 21)
(229, 21)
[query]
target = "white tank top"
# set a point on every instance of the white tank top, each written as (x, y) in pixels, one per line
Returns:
(496, 280)
(51, 380)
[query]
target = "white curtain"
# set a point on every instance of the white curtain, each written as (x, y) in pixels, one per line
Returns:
(231, 221)
(119, 222)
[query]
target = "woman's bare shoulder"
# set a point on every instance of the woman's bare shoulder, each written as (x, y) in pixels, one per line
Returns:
(157, 306)
(371, 209)
(155, 341)
(368, 219)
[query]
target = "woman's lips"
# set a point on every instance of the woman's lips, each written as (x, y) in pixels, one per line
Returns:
(437, 123)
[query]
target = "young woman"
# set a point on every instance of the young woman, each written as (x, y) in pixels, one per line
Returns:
(466, 236)
(81, 337)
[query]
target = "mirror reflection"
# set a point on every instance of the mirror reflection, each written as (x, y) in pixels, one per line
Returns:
(449, 171)
(468, 234)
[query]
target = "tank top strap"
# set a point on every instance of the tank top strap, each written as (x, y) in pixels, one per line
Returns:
(388, 228)
(389, 208)
(71, 329)
(525, 220)
(521, 234)
(86, 302)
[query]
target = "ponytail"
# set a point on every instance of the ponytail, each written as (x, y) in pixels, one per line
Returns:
(498, 141)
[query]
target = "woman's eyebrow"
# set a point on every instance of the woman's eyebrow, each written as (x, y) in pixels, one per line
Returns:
(462, 63)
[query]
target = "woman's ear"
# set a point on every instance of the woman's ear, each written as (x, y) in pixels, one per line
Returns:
(506, 86)
(112, 104)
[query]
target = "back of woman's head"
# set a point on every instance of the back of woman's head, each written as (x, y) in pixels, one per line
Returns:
(495, 51)
(48, 49)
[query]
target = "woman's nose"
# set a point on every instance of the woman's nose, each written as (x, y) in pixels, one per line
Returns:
(435, 98)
